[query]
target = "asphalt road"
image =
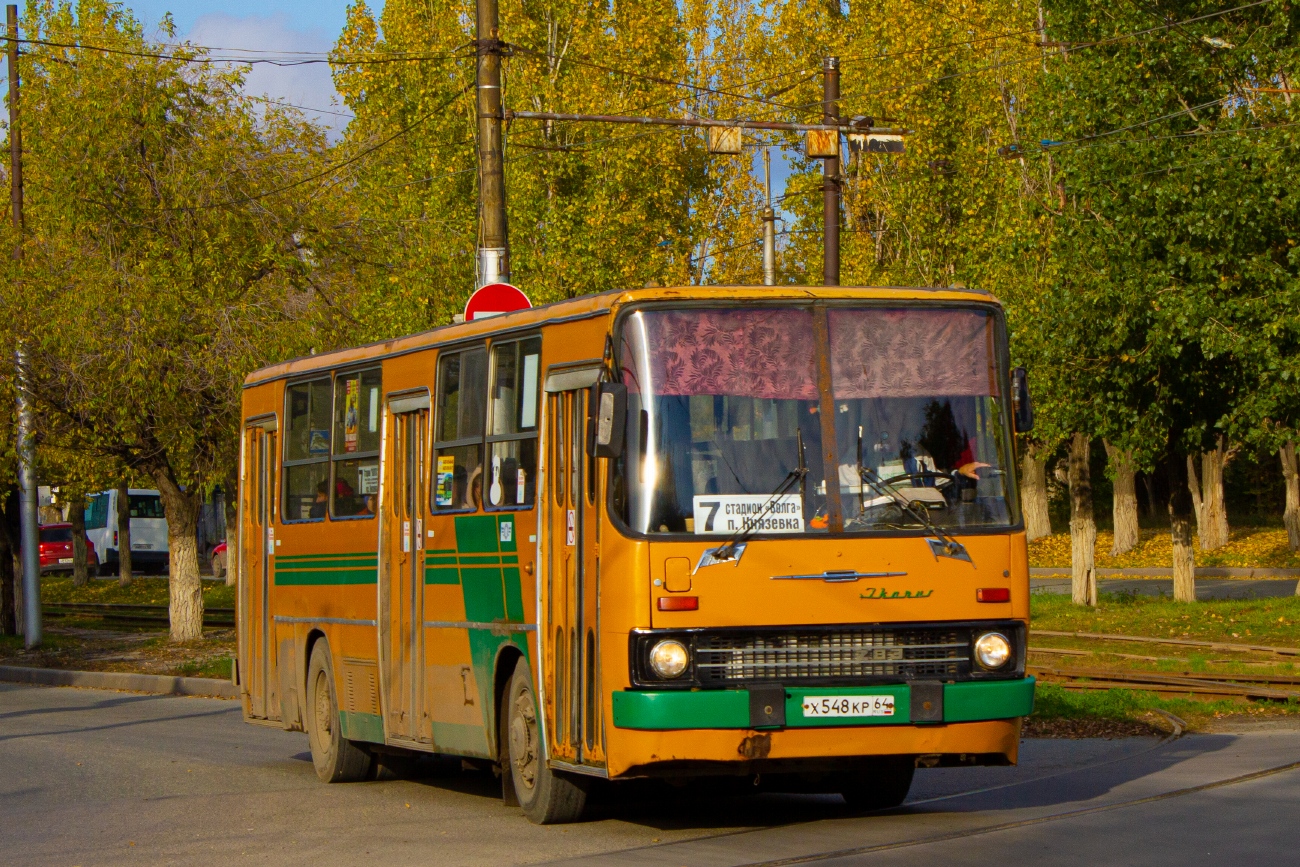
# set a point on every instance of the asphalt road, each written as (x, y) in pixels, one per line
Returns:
(93, 777)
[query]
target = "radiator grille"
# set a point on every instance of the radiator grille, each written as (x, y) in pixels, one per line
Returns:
(724, 659)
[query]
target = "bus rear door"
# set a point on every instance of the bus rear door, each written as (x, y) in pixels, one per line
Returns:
(258, 659)
(403, 587)
(571, 611)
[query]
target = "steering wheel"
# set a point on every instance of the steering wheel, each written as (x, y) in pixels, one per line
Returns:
(940, 479)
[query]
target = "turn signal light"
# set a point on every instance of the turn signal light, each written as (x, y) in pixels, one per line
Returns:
(993, 594)
(679, 603)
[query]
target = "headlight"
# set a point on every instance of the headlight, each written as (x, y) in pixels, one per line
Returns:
(992, 650)
(669, 658)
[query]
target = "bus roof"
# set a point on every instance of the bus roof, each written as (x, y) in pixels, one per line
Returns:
(588, 306)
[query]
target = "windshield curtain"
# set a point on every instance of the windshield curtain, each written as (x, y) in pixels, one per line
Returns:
(719, 401)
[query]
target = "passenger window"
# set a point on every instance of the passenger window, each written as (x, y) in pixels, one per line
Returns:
(355, 492)
(306, 451)
(512, 439)
(462, 410)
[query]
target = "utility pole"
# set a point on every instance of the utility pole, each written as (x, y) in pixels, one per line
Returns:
(831, 175)
(769, 224)
(493, 251)
(30, 535)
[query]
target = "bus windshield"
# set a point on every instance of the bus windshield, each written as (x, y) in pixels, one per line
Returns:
(721, 400)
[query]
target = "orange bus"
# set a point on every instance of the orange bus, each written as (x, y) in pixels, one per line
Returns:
(660, 532)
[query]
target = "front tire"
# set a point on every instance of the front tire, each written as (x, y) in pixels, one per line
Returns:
(547, 797)
(883, 785)
(337, 759)
(219, 565)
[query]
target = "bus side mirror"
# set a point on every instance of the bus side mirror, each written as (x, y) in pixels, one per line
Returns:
(610, 419)
(1024, 409)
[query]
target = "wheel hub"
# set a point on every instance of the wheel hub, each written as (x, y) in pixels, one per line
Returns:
(523, 739)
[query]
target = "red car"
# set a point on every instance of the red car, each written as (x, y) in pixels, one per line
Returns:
(219, 560)
(56, 550)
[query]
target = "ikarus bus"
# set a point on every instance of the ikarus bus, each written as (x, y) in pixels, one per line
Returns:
(755, 532)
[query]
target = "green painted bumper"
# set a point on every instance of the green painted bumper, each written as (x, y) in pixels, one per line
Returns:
(729, 708)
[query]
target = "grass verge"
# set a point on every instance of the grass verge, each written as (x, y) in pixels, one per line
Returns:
(1059, 712)
(143, 590)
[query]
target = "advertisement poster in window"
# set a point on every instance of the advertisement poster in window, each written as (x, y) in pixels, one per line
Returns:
(319, 442)
(351, 415)
(443, 487)
(368, 479)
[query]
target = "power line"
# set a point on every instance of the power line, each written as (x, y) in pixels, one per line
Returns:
(654, 79)
(336, 166)
(186, 58)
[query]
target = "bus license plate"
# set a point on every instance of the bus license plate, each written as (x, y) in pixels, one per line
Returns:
(818, 706)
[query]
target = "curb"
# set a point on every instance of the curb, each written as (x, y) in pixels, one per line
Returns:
(1168, 572)
(153, 684)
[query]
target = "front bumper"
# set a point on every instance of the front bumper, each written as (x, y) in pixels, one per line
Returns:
(671, 710)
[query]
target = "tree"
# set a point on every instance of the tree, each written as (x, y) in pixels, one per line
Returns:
(1176, 249)
(158, 227)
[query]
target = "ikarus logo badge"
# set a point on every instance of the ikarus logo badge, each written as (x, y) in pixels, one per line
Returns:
(886, 593)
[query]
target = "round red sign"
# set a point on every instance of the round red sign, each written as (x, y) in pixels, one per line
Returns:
(494, 299)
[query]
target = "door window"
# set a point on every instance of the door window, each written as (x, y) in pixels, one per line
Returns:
(512, 436)
(458, 459)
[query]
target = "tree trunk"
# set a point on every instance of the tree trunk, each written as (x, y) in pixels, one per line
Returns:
(1291, 517)
(1125, 503)
(1033, 491)
(1180, 526)
(184, 585)
(80, 554)
(230, 495)
(1149, 482)
(123, 535)
(1207, 497)
(1083, 527)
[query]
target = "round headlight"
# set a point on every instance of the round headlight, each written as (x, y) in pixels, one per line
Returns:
(669, 658)
(992, 650)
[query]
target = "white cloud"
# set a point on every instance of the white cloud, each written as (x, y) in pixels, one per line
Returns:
(308, 86)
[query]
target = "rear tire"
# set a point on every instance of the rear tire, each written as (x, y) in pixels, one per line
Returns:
(337, 759)
(219, 565)
(882, 785)
(92, 568)
(547, 797)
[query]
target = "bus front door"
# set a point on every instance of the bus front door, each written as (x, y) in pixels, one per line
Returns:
(572, 607)
(403, 612)
(255, 570)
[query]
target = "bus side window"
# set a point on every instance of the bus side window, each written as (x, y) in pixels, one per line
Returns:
(462, 410)
(512, 433)
(355, 489)
(306, 451)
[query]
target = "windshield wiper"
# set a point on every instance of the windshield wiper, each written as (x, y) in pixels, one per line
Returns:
(943, 546)
(731, 550)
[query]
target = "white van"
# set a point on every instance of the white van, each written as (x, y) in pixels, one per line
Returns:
(149, 550)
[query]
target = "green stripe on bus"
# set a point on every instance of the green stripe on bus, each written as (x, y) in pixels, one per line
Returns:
(480, 561)
(477, 534)
(357, 726)
(510, 559)
(319, 576)
(441, 575)
(440, 561)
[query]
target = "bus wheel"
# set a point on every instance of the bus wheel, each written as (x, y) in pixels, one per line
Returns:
(882, 785)
(337, 759)
(547, 797)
